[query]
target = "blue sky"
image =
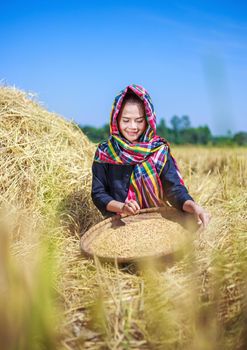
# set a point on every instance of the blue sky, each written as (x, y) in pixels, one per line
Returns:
(76, 55)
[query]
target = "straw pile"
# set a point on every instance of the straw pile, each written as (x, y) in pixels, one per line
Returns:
(45, 161)
(44, 201)
(137, 239)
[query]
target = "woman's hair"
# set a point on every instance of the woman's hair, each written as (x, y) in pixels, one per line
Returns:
(132, 98)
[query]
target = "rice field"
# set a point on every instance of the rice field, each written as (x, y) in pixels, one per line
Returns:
(51, 297)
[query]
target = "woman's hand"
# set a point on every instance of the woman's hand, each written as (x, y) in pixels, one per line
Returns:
(131, 207)
(202, 217)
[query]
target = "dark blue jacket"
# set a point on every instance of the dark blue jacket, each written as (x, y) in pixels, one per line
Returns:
(111, 181)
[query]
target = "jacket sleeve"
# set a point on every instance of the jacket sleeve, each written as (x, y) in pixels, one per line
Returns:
(174, 190)
(99, 193)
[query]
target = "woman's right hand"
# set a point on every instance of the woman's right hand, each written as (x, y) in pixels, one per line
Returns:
(131, 207)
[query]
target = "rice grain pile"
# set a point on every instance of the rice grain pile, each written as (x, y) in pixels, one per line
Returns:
(142, 238)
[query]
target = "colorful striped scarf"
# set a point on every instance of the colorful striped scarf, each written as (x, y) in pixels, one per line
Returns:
(148, 155)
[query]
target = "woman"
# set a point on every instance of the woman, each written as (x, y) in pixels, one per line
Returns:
(134, 169)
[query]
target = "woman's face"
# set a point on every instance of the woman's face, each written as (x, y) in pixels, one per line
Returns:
(132, 122)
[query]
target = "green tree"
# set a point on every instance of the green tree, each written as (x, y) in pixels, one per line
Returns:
(240, 138)
(96, 134)
(176, 123)
(185, 122)
(162, 128)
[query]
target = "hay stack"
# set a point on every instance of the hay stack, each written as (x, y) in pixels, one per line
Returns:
(45, 161)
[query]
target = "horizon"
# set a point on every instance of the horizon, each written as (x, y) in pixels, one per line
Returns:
(77, 56)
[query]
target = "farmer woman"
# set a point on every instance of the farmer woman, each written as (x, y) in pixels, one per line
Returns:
(134, 169)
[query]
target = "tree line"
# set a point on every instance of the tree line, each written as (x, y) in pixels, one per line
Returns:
(181, 132)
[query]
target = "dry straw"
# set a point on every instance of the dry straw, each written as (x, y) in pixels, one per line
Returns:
(44, 189)
(45, 160)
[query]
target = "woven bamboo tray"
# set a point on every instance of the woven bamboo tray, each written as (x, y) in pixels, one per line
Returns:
(185, 220)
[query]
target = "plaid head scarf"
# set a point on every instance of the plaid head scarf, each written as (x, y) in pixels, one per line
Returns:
(148, 155)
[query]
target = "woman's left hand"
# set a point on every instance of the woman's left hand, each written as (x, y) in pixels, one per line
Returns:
(201, 215)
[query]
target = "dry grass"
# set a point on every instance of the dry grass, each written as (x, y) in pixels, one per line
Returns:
(198, 303)
(45, 161)
(44, 191)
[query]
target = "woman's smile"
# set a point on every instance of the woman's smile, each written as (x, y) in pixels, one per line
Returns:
(132, 122)
(132, 132)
